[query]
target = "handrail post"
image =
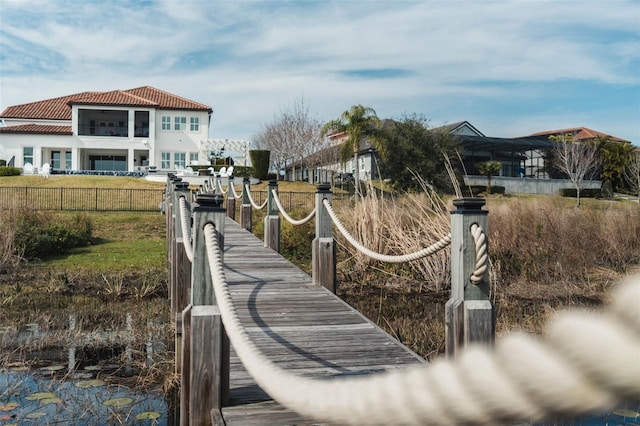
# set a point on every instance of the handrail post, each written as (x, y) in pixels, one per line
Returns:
(182, 267)
(468, 313)
(323, 249)
(245, 212)
(205, 376)
(171, 234)
(272, 220)
(231, 199)
(181, 271)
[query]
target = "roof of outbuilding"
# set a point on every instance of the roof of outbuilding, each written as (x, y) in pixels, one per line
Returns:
(579, 133)
(60, 108)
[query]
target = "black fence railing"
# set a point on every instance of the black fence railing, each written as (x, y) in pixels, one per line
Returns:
(83, 199)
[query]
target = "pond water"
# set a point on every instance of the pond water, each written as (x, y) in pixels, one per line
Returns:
(81, 380)
(31, 397)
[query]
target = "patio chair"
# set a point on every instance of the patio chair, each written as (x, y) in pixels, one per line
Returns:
(45, 171)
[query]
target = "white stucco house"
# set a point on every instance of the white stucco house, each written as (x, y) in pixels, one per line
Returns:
(121, 130)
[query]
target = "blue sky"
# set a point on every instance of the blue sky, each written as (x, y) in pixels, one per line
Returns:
(511, 68)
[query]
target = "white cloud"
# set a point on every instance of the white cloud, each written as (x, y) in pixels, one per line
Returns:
(247, 59)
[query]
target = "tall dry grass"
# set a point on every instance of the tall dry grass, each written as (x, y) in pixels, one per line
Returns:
(541, 240)
(396, 226)
(9, 257)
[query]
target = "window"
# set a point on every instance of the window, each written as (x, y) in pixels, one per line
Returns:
(179, 159)
(193, 158)
(166, 122)
(67, 160)
(194, 124)
(180, 123)
(166, 160)
(55, 159)
(27, 155)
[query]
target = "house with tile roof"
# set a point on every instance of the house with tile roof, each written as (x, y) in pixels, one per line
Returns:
(121, 130)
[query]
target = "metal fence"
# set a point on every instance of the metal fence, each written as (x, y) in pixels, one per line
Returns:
(85, 199)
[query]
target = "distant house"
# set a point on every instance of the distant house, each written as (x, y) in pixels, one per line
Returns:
(121, 130)
(522, 159)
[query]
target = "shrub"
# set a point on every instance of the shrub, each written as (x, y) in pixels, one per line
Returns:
(9, 171)
(584, 193)
(260, 162)
(40, 235)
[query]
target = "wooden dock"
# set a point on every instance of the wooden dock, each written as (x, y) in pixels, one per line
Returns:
(303, 328)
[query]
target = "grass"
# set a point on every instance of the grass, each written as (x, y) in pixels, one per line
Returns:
(65, 181)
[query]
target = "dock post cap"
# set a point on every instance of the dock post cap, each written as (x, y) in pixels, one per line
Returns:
(466, 205)
(210, 201)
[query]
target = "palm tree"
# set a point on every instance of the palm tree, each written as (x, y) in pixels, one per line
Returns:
(489, 168)
(357, 123)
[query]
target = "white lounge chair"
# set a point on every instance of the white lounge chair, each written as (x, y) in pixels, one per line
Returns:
(229, 171)
(27, 169)
(222, 172)
(45, 171)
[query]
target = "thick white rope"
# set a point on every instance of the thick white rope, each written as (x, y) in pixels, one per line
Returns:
(233, 191)
(253, 203)
(587, 363)
(482, 255)
(219, 185)
(185, 222)
(289, 219)
(427, 251)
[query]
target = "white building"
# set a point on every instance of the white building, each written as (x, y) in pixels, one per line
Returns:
(122, 130)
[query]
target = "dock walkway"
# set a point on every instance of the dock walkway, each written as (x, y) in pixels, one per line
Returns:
(301, 327)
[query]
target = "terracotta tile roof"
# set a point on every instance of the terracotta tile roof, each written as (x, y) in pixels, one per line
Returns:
(117, 97)
(37, 128)
(580, 133)
(166, 100)
(49, 109)
(60, 108)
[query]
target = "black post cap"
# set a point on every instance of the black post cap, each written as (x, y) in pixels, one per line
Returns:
(469, 205)
(324, 187)
(210, 200)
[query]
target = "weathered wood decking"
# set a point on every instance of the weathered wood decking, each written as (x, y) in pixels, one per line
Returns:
(303, 328)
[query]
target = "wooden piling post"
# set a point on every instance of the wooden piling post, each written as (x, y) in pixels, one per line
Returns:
(323, 250)
(246, 212)
(272, 220)
(468, 313)
(181, 272)
(182, 269)
(208, 343)
(231, 200)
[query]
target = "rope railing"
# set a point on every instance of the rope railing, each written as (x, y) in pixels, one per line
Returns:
(253, 203)
(427, 251)
(219, 186)
(289, 219)
(185, 221)
(573, 371)
(233, 191)
(482, 256)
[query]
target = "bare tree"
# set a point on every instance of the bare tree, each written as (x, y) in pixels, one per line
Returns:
(632, 174)
(292, 136)
(577, 160)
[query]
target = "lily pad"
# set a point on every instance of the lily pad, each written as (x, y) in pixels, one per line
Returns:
(55, 400)
(118, 402)
(95, 383)
(148, 415)
(9, 406)
(41, 395)
(53, 368)
(92, 368)
(36, 415)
